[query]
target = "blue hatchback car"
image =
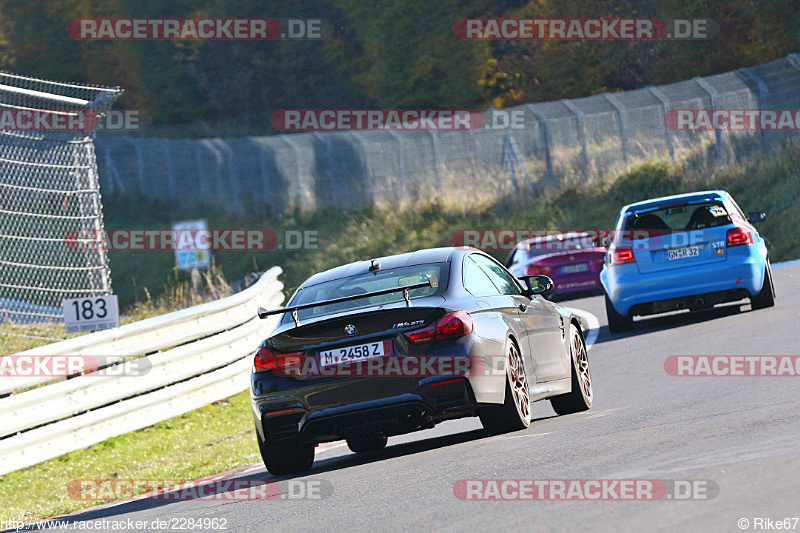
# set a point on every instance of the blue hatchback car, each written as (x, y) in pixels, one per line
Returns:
(689, 251)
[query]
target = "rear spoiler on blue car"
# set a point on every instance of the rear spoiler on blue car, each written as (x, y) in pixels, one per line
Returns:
(431, 282)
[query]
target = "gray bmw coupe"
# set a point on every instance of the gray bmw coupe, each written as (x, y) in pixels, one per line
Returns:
(397, 344)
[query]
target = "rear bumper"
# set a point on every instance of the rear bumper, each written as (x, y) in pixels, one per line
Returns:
(333, 409)
(632, 292)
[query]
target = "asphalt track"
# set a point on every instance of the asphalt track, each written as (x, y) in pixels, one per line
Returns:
(742, 433)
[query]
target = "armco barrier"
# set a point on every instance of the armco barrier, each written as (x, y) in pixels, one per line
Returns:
(197, 356)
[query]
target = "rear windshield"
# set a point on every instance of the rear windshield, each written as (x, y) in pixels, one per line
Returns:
(366, 283)
(673, 219)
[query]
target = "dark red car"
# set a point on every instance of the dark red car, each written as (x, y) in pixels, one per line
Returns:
(572, 260)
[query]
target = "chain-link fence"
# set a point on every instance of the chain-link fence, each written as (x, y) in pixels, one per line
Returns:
(564, 143)
(49, 191)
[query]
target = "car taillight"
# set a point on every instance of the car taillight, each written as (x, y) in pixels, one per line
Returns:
(738, 236)
(622, 255)
(450, 326)
(267, 359)
(538, 270)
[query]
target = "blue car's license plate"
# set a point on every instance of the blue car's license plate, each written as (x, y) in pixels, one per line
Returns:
(682, 253)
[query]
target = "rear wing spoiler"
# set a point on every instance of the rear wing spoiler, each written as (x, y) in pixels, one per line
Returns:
(431, 282)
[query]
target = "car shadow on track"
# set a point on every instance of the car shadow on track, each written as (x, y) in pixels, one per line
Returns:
(320, 467)
(672, 320)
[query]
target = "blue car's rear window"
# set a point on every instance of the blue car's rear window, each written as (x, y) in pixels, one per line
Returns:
(675, 218)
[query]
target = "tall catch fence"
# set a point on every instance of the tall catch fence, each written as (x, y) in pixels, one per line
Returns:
(559, 144)
(49, 187)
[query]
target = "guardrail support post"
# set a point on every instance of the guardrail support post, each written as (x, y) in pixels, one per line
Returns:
(581, 136)
(623, 125)
(299, 199)
(401, 162)
(333, 185)
(436, 160)
(665, 105)
(763, 93)
(546, 141)
(712, 92)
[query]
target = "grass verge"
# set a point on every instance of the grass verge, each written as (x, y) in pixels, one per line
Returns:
(214, 438)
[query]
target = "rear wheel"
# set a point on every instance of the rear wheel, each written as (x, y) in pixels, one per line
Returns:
(581, 396)
(286, 457)
(367, 443)
(766, 297)
(515, 412)
(617, 323)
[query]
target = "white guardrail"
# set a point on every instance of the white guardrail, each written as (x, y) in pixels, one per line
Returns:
(196, 356)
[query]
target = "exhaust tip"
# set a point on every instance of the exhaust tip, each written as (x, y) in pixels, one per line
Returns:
(699, 302)
(681, 306)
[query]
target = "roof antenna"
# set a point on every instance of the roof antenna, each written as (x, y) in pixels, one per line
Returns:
(374, 266)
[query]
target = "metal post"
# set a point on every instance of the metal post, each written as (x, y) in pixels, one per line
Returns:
(508, 161)
(201, 182)
(301, 193)
(233, 173)
(712, 92)
(363, 142)
(623, 126)
(763, 94)
(166, 150)
(114, 178)
(333, 185)
(546, 141)
(436, 160)
(665, 105)
(517, 156)
(401, 162)
(139, 164)
(581, 136)
(262, 153)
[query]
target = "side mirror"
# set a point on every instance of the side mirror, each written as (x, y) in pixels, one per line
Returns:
(537, 285)
(604, 240)
(755, 217)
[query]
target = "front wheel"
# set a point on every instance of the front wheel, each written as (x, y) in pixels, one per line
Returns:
(581, 396)
(617, 323)
(766, 297)
(286, 457)
(515, 412)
